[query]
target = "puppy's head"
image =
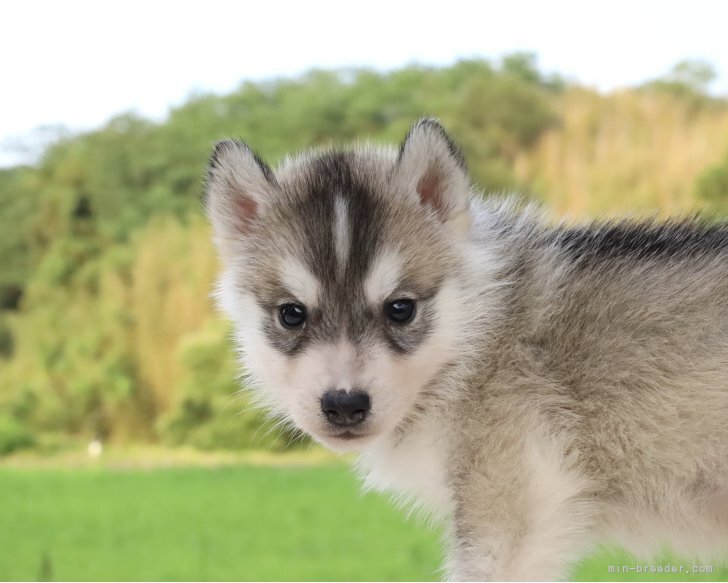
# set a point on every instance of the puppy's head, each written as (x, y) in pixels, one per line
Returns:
(342, 277)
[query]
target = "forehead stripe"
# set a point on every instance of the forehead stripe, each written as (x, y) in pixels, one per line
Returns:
(342, 235)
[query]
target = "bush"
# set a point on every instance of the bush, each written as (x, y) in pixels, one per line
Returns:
(211, 412)
(712, 188)
(13, 436)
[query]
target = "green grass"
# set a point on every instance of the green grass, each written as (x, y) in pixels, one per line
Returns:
(228, 523)
(225, 523)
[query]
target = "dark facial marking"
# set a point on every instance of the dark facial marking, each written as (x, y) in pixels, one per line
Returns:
(287, 341)
(343, 310)
(404, 338)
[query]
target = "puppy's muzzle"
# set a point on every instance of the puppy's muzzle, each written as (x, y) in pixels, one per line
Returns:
(345, 409)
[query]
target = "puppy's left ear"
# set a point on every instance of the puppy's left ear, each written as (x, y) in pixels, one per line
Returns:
(431, 165)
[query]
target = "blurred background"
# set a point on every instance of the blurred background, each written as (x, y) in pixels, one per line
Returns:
(126, 450)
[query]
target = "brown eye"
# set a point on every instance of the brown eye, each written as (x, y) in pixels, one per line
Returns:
(292, 315)
(400, 311)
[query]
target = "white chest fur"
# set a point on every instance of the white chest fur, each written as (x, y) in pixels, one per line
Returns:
(412, 469)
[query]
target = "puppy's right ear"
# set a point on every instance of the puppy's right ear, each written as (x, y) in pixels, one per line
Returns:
(239, 186)
(432, 168)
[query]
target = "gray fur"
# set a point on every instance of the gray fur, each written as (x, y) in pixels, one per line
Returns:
(585, 398)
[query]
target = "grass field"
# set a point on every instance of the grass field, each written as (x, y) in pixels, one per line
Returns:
(220, 523)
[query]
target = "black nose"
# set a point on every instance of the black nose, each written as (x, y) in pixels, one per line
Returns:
(345, 409)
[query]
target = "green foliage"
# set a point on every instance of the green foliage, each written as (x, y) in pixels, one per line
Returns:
(690, 81)
(7, 341)
(712, 188)
(523, 66)
(13, 435)
(211, 412)
(18, 202)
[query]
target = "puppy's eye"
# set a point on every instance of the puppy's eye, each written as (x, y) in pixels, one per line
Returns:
(292, 315)
(400, 311)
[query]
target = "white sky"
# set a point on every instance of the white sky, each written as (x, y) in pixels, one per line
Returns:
(78, 63)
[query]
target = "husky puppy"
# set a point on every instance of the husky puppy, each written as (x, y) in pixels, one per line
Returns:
(539, 388)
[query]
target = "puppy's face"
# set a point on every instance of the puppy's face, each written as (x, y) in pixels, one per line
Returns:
(341, 278)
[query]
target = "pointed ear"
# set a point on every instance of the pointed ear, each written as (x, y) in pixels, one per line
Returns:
(239, 187)
(431, 165)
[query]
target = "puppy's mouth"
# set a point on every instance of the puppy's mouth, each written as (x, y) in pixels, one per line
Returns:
(347, 438)
(348, 433)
